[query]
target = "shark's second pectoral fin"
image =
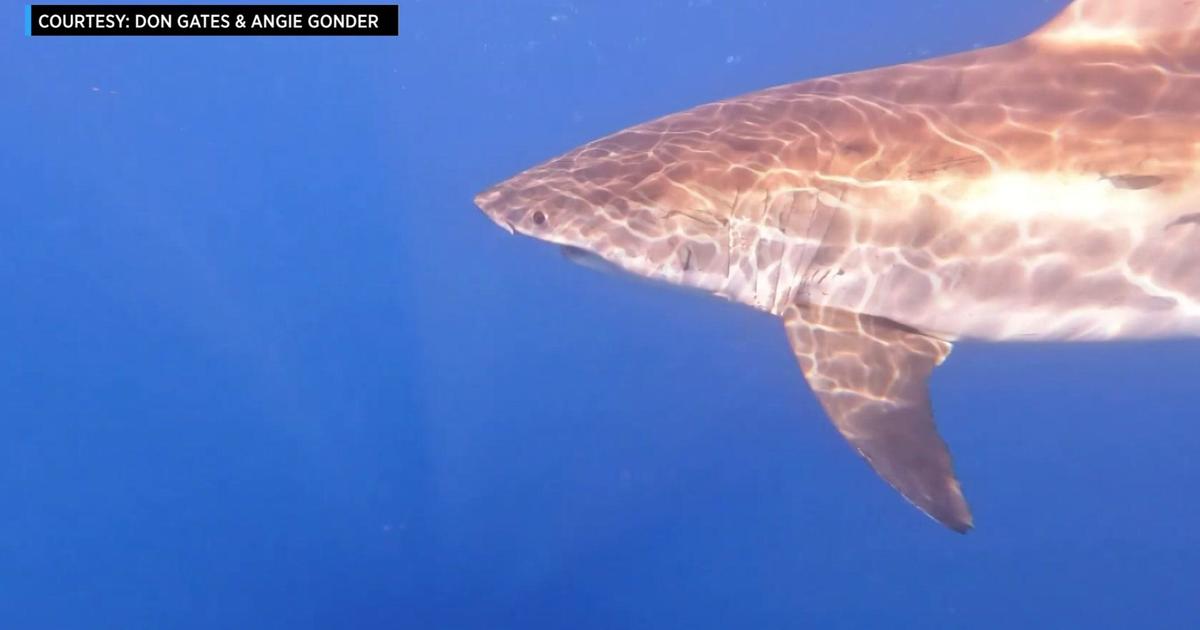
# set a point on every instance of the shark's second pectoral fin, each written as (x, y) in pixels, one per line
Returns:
(871, 376)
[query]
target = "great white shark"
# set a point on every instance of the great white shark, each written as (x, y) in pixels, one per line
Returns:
(1047, 189)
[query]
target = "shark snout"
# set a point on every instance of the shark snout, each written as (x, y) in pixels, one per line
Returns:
(491, 203)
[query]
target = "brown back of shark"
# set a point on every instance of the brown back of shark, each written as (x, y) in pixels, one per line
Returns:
(1046, 189)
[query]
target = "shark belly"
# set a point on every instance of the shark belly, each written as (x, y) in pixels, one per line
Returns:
(1084, 264)
(1081, 262)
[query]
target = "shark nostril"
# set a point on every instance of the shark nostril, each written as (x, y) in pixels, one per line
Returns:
(539, 218)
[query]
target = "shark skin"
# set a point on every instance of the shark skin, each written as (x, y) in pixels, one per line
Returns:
(1047, 189)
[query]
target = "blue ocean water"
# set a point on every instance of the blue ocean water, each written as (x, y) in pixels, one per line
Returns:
(264, 365)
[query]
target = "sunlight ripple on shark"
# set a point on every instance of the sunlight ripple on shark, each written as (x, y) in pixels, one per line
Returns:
(1045, 189)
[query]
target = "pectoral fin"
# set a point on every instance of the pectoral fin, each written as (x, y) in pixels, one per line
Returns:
(871, 376)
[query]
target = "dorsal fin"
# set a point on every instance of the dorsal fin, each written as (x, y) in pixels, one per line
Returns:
(1130, 22)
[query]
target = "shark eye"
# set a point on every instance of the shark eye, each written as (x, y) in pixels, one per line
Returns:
(539, 217)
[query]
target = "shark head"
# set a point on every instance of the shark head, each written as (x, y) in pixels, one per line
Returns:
(671, 201)
(547, 203)
(615, 203)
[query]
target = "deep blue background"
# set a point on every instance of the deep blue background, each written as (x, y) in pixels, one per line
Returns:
(263, 364)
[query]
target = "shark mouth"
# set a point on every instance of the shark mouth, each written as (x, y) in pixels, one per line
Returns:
(589, 259)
